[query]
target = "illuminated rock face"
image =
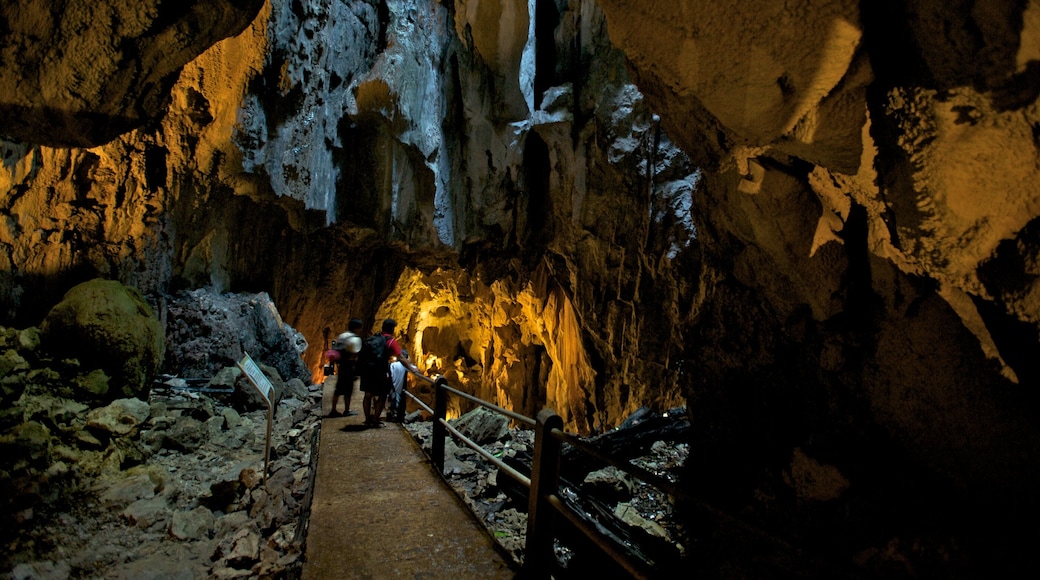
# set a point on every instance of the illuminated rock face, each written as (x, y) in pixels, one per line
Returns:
(329, 145)
(82, 72)
(858, 308)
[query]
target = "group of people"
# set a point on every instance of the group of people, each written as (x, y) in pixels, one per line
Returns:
(381, 371)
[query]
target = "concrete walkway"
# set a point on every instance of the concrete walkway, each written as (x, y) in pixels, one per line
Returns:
(379, 510)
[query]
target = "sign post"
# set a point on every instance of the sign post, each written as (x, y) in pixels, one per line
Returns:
(260, 382)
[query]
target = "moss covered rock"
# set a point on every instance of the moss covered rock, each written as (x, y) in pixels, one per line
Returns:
(107, 326)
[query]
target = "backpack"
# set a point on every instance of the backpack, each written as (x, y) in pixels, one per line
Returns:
(347, 344)
(374, 358)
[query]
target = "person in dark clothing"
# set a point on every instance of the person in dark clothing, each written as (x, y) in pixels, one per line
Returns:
(376, 382)
(348, 345)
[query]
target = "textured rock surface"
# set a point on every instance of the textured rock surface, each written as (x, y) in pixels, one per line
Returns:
(208, 331)
(852, 321)
(169, 485)
(80, 73)
(108, 326)
(281, 160)
(868, 253)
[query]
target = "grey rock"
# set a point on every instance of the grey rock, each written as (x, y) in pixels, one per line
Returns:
(242, 549)
(229, 523)
(231, 417)
(210, 331)
(626, 513)
(119, 417)
(145, 512)
(610, 478)
(41, 571)
(482, 425)
(192, 525)
(137, 483)
(187, 434)
(32, 439)
(10, 361)
(226, 377)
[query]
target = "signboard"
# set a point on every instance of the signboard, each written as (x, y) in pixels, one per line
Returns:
(256, 376)
(260, 381)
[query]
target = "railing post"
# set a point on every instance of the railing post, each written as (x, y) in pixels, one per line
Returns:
(545, 478)
(440, 411)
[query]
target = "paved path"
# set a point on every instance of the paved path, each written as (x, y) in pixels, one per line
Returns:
(380, 511)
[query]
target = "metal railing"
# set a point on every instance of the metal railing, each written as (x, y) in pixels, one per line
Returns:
(544, 502)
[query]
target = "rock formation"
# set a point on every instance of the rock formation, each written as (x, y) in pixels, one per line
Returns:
(107, 326)
(868, 256)
(812, 222)
(167, 479)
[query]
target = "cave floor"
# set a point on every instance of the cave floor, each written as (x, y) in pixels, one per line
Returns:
(379, 510)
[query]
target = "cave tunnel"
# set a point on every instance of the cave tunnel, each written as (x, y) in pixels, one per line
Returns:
(816, 244)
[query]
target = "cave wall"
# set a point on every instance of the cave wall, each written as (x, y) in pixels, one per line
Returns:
(824, 241)
(328, 146)
(870, 173)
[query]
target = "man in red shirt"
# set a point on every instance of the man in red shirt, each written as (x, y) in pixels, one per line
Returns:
(374, 369)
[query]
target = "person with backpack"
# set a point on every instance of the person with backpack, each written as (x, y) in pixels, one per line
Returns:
(374, 370)
(348, 345)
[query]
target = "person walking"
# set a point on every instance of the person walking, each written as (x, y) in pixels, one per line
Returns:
(374, 369)
(348, 345)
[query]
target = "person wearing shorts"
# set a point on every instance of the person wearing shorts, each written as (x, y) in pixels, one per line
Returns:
(348, 345)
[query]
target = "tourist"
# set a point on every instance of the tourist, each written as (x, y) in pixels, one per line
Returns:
(399, 376)
(374, 369)
(348, 345)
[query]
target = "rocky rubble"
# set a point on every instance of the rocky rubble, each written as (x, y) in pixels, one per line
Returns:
(168, 483)
(172, 483)
(198, 506)
(639, 513)
(194, 503)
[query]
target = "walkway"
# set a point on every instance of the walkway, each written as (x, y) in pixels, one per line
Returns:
(380, 511)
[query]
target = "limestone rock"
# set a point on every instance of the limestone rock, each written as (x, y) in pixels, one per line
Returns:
(145, 512)
(241, 550)
(185, 435)
(630, 516)
(610, 480)
(41, 571)
(93, 384)
(119, 417)
(191, 525)
(133, 485)
(109, 326)
(482, 425)
(813, 223)
(101, 69)
(30, 440)
(10, 361)
(209, 331)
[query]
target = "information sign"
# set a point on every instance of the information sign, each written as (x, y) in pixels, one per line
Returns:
(260, 381)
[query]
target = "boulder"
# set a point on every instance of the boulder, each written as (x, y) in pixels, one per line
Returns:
(120, 417)
(209, 331)
(107, 326)
(482, 425)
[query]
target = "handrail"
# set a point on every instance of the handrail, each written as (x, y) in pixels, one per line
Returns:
(515, 416)
(543, 501)
(644, 474)
(526, 481)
